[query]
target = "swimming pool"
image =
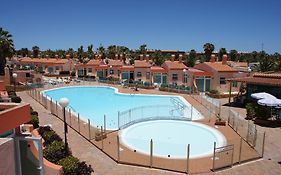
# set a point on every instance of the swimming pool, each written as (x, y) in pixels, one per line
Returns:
(93, 102)
(170, 138)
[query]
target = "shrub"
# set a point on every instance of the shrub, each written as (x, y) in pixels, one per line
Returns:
(214, 91)
(73, 74)
(70, 165)
(55, 151)
(84, 169)
(34, 121)
(50, 136)
(16, 99)
(250, 108)
(43, 129)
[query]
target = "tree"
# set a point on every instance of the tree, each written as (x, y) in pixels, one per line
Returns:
(71, 52)
(222, 52)
(6, 48)
(35, 51)
(101, 51)
(143, 49)
(233, 54)
(265, 63)
(191, 58)
(90, 52)
(277, 61)
(23, 52)
(208, 49)
(158, 58)
(80, 53)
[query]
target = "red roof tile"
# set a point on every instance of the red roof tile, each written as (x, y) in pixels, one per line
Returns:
(218, 66)
(28, 60)
(158, 69)
(258, 80)
(198, 72)
(142, 63)
(175, 65)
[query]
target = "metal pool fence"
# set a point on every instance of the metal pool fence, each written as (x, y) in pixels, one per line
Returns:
(247, 146)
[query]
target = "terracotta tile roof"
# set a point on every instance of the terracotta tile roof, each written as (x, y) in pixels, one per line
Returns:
(174, 65)
(94, 62)
(198, 72)
(258, 80)
(264, 75)
(127, 68)
(28, 60)
(142, 63)
(157, 69)
(112, 62)
(218, 66)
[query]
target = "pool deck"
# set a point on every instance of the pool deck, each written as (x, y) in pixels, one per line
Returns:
(103, 165)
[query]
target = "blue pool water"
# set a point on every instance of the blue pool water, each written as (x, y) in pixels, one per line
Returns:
(93, 102)
(171, 138)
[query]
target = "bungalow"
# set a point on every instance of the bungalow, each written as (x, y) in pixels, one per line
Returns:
(142, 69)
(115, 66)
(198, 79)
(51, 66)
(158, 75)
(220, 71)
(174, 70)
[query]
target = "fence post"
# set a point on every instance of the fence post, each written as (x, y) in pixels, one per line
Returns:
(247, 137)
(89, 127)
(118, 149)
(240, 150)
(130, 115)
(57, 108)
(69, 112)
(102, 138)
(104, 123)
(263, 142)
(118, 120)
(51, 105)
(151, 153)
(191, 111)
(187, 159)
(214, 155)
(78, 122)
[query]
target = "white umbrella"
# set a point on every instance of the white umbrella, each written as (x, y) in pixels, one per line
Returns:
(262, 95)
(272, 102)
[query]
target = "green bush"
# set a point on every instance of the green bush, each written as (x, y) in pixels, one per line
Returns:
(16, 99)
(214, 91)
(34, 121)
(262, 112)
(43, 129)
(55, 151)
(50, 136)
(251, 111)
(84, 169)
(70, 165)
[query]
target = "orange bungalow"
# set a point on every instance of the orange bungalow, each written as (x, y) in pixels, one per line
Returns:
(142, 69)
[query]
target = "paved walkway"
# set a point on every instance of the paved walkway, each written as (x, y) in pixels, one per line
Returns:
(103, 165)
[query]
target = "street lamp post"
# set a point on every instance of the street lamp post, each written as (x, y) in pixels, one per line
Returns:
(15, 75)
(63, 102)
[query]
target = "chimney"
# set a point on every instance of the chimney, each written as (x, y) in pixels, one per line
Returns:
(141, 57)
(116, 56)
(180, 58)
(224, 59)
(67, 56)
(173, 58)
(121, 57)
(213, 58)
(147, 58)
(56, 56)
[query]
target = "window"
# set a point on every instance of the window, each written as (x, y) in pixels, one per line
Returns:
(147, 75)
(57, 67)
(27, 75)
(90, 70)
(234, 84)
(139, 74)
(185, 78)
(175, 76)
(222, 80)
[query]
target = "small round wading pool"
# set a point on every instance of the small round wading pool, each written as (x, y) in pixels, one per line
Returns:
(170, 138)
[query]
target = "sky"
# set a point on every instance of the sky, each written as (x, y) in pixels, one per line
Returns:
(244, 25)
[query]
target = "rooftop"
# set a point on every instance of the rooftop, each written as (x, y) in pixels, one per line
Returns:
(218, 66)
(43, 60)
(142, 64)
(174, 65)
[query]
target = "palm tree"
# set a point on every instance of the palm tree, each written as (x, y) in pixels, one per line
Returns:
(80, 53)
(265, 62)
(222, 52)
(90, 52)
(143, 49)
(191, 58)
(208, 49)
(233, 54)
(35, 51)
(23, 52)
(6, 48)
(158, 58)
(101, 50)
